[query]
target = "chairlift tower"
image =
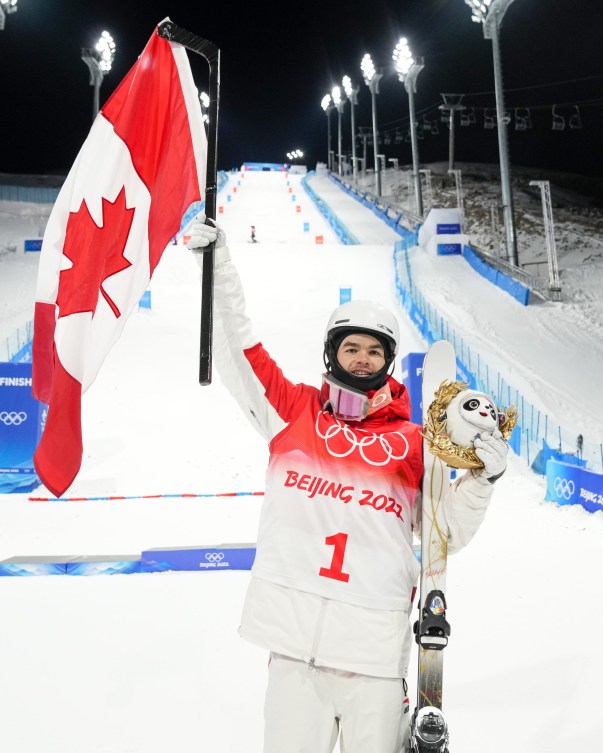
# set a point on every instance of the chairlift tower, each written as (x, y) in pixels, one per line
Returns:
(452, 103)
(549, 234)
(490, 14)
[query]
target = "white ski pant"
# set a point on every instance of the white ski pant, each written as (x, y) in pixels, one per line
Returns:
(306, 709)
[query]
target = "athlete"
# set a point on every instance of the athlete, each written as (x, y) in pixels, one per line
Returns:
(334, 576)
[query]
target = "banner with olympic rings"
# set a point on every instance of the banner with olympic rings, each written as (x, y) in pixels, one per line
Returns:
(568, 484)
(22, 420)
(199, 558)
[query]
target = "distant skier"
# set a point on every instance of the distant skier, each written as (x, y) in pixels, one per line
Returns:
(334, 574)
(253, 240)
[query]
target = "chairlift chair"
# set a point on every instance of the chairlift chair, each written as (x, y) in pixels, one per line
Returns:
(489, 120)
(575, 120)
(467, 116)
(398, 138)
(435, 128)
(558, 121)
(523, 119)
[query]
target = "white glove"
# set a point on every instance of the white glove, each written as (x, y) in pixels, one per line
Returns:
(202, 235)
(492, 450)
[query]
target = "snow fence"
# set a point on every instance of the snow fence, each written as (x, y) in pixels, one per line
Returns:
(535, 433)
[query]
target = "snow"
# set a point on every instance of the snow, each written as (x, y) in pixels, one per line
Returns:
(145, 663)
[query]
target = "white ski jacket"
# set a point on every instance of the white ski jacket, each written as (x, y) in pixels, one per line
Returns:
(335, 574)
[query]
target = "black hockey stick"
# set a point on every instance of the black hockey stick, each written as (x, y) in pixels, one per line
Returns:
(211, 53)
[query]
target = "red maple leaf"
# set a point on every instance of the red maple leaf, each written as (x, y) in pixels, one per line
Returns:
(96, 253)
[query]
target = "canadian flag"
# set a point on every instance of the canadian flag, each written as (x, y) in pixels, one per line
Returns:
(138, 171)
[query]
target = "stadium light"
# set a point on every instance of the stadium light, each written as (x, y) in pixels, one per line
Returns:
(352, 94)
(204, 99)
(408, 70)
(338, 102)
(371, 78)
(490, 14)
(327, 106)
(6, 8)
(295, 154)
(99, 61)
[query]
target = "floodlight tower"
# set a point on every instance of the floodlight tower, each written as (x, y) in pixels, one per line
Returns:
(204, 100)
(338, 102)
(490, 13)
(408, 70)
(351, 93)
(327, 106)
(371, 79)
(99, 61)
(6, 8)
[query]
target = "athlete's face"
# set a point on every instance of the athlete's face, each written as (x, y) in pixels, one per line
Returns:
(361, 355)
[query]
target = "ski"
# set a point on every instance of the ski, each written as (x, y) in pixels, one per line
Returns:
(429, 731)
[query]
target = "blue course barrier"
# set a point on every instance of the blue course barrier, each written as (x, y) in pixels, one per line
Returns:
(501, 280)
(344, 235)
(391, 217)
(569, 484)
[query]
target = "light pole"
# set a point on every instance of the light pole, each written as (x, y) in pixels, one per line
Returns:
(328, 107)
(99, 61)
(371, 79)
(338, 102)
(352, 94)
(490, 13)
(408, 70)
(6, 8)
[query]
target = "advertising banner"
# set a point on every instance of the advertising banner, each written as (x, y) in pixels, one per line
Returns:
(199, 558)
(568, 484)
(412, 377)
(22, 420)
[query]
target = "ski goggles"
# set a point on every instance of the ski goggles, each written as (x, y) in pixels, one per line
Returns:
(345, 402)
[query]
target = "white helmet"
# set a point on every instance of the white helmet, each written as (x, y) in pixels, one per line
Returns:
(366, 317)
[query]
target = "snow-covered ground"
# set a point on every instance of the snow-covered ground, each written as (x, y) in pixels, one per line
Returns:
(145, 663)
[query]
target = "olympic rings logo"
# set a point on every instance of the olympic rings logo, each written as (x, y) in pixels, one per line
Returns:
(564, 488)
(214, 556)
(13, 418)
(381, 451)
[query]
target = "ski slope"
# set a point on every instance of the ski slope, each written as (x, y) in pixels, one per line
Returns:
(147, 663)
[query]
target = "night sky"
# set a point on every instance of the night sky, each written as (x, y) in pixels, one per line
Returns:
(279, 59)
